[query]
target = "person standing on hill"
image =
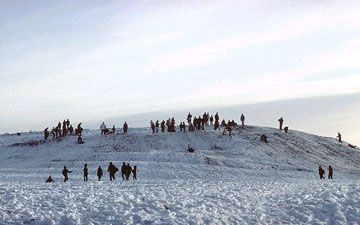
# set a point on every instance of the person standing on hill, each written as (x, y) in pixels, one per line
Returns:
(330, 172)
(85, 172)
(65, 173)
(125, 128)
(123, 170)
(281, 120)
(242, 118)
(128, 171)
(152, 125)
(321, 173)
(162, 125)
(112, 170)
(135, 169)
(46, 133)
(99, 173)
(103, 128)
(339, 136)
(211, 120)
(157, 126)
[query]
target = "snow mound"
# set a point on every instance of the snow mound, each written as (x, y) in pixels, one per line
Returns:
(165, 155)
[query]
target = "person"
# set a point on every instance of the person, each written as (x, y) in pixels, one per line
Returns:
(330, 172)
(281, 120)
(162, 125)
(152, 125)
(242, 118)
(80, 140)
(134, 173)
(189, 116)
(99, 173)
(79, 129)
(59, 128)
(157, 126)
(321, 173)
(65, 173)
(217, 117)
(68, 124)
(49, 180)
(286, 129)
(85, 172)
(71, 129)
(191, 127)
(53, 132)
(339, 136)
(113, 129)
(211, 120)
(103, 128)
(216, 125)
(125, 127)
(229, 129)
(112, 169)
(223, 123)
(128, 171)
(46, 133)
(263, 138)
(123, 170)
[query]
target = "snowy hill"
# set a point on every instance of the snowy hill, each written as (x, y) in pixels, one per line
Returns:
(164, 155)
(238, 180)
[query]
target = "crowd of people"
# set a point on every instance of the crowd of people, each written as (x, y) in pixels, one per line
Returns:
(126, 171)
(63, 129)
(196, 123)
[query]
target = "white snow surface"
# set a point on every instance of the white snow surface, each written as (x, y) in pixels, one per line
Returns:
(238, 180)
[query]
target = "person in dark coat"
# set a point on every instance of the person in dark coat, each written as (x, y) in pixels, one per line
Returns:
(99, 173)
(65, 173)
(113, 129)
(46, 133)
(211, 120)
(53, 132)
(281, 120)
(125, 128)
(263, 138)
(134, 173)
(157, 126)
(128, 171)
(217, 117)
(162, 125)
(112, 170)
(71, 129)
(49, 180)
(80, 140)
(330, 172)
(152, 125)
(242, 118)
(286, 129)
(189, 116)
(123, 170)
(339, 136)
(321, 173)
(85, 172)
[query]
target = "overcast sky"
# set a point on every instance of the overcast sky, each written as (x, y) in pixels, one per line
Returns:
(93, 60)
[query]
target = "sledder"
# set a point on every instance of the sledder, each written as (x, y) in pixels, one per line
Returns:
(229, 129)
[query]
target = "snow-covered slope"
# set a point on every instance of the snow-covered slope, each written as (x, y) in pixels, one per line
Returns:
(238, 180)
(164, 155)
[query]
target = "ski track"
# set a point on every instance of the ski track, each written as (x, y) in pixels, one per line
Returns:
(237, 180)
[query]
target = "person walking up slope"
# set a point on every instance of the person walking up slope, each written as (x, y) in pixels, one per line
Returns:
(321, 173)
(330, 172)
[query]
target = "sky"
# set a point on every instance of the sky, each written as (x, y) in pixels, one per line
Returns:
(95, 60)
